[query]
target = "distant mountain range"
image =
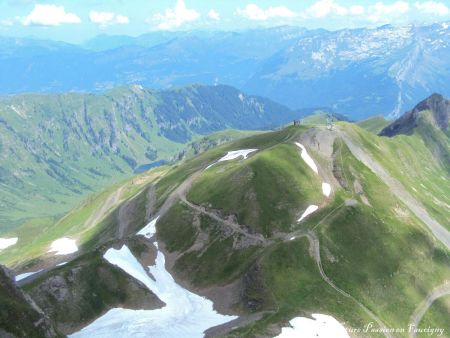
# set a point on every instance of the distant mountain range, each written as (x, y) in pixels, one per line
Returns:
(358, 72)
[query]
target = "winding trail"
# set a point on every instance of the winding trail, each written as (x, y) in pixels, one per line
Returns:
(112, 200)
(233, 225)
(420, 311)
(315, 252)
(179, 194)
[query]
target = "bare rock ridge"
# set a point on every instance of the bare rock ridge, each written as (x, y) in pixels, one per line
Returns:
(19, 314)
(436, 103)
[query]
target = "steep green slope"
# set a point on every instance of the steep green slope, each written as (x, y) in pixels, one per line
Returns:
(374, 124)
(231, 232)
(56, 149)
(436, 317)
(416, 165)
(95, 221)
(363, 217)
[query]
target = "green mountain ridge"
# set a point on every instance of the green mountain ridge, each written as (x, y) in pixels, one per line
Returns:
(57, 148)
(231, 231)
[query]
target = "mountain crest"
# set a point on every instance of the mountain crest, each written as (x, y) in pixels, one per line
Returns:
(436, 103)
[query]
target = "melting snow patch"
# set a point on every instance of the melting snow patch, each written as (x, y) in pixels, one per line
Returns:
(149, 230)
(292, 238)
(63, 246)
(309, 210)
(184, 315)
(7, 242)
(320, 326)
(326, 189)
(231, 155)
(26, 275)
(305, 156)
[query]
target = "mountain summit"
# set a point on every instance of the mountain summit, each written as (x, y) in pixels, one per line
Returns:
(439, 107)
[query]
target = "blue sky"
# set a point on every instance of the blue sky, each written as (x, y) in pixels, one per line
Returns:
(78, 20)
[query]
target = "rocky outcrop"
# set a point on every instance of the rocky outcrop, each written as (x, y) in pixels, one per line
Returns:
(436, 103)
(84, 290)
(19, 314)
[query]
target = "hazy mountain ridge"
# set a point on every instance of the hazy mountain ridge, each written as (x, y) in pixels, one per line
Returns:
(348, 70)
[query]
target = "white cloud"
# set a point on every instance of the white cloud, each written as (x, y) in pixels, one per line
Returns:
(122, 19)
(175, 17)
(49, 15)
(104, 19)
(323, 8)
(253, 12)
(213, 14)
(380, 12)
(357, 10)
(433, 8)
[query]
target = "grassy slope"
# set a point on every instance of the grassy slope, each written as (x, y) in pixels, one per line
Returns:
(267, 192)
(363, 252)
(296, 289)
(410, 160)
(57, 149)
(437, 317)
(36, 236)
(362, 247)
(369, 243)
(374, 124)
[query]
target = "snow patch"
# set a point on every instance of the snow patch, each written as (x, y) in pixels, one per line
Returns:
(149, 230)
(184, 315)
(320, 326)
(61, 264)
(63, 246)
(292, 238)
(308, 160)
(231, 155)
(309, 210)
(26, 275)
(326, 189)
(7, 242)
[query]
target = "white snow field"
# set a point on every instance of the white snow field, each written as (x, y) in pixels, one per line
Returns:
(326, 189)
(149, 230)
(7, 242)
(184, 315)
(231, 155)
(308, 159)
(309, 210)
(321, 326)
(63, 246)
(25, 275)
